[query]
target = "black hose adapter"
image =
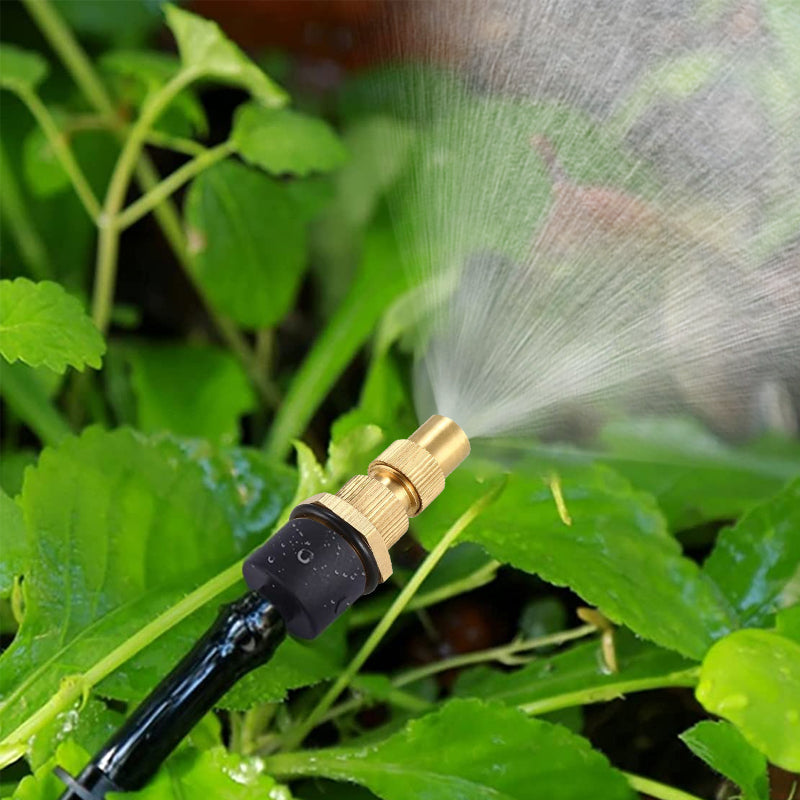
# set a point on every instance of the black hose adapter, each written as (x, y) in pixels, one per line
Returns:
(313, 569)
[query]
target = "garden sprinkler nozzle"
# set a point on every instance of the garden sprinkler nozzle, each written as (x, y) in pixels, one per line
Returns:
(335, 547)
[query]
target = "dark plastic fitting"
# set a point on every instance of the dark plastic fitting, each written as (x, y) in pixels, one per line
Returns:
(312, 570)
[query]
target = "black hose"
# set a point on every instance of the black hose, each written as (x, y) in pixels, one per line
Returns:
(244, 636)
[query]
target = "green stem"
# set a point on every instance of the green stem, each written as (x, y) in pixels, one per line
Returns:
(75, 59)
(108, 243)
(63, 152)
(75, 687)
(172, 183)
(371, 611)
(611, 691)
(297, 735)
(492, 654)
(15, 212)
(80, 67)
(661, 791)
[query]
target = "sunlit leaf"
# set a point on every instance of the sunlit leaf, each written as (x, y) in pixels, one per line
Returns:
(752, 678)
(283, 141)
(205, 49)
(13, 543)
(42, 325)
(21, 70)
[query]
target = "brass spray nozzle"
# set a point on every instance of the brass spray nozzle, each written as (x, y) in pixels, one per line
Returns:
(402, 481)
(336, 546)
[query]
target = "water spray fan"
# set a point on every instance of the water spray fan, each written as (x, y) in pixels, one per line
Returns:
(333, 550)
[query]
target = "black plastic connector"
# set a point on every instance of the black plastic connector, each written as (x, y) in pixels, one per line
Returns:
(313, 569)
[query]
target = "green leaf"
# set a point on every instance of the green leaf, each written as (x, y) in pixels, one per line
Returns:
(787, 623)
(752, 678)
(44, 784)
(42, 325)
(756, 563)
(209, 773)
(21, 70)
(578, 676)
(695, 476)
(14, 549)
(247, 242)
(613, 550)
(43, 171)
(189, 390)
(120, 528)
(491, 753)
(136, 74)
(286, 141)
(205, 49)
(725, 750)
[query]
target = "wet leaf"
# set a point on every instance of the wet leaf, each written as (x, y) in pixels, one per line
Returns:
(756, 563)
(752, 678)
(616, 553)
(205, 49)
(248, 243)
(42, 325)
(725, 750)
(189, 390)
(21, 70)
(140, 522)
(283, 141)
(492, 752)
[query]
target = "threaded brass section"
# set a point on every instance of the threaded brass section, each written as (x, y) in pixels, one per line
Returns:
(378, 504)
(402, 481)
(419, 468)
(362, 524)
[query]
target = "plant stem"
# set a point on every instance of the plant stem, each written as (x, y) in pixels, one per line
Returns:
(492, 654)
(78, 686)
(661, 791)
(372, 611)
(299, 733)
(611, 691)
(172, 183)
(64, 43)
(15, 213)
(80, 67)
(62, 151)
(108, 244)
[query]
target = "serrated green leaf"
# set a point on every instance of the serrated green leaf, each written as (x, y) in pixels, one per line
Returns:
(121, 527)
(752, 678)
(21, 70)
(44, 784)
(42, 325)
(613, 549)
(695, 476)
(205, 49)
(725, 750)
(209, 773)
(136, 74)
(491, 753)
(247, 243)
(189, 390)
(13, 543)
(756, 562)
(283, 141)
(578, 676)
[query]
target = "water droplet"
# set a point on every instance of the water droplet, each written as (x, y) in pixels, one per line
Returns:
(304, 555)
(793, 716)
(270, 559)
(733, 702)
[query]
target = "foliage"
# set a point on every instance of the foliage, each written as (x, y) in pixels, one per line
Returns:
(132, 491)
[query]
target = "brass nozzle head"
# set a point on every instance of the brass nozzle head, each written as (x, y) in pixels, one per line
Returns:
(400, 483)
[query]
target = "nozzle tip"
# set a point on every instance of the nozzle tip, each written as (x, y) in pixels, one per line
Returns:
(444, 440)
